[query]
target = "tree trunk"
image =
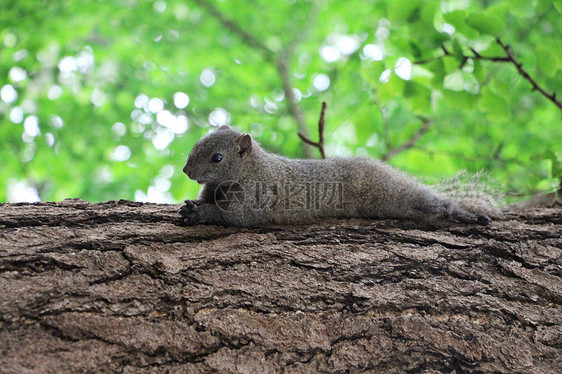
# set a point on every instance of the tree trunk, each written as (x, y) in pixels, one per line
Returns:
(122, 287)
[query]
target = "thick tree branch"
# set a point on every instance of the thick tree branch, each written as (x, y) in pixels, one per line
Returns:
(509, 58)
(410, 143)
(122, 287)
(320, 143)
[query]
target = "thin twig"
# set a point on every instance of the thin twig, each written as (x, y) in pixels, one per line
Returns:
(524, 74)
(478, 56)
(428, 60)
(410, 143)
(320, 143)
(509, 58)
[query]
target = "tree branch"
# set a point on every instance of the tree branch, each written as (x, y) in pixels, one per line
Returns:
(303, 33)
(293, 107)
(478, 56)
(410, 143)
(281, 61)
(524, 74)
(428, 60)
(287, 80)
(124, 304)
(245, 36)
(509, 58)
(320, 143)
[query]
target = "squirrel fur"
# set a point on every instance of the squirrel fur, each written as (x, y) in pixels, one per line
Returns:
(243, 185)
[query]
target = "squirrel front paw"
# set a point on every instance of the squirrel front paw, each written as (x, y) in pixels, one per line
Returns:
(471, 218)
(483, 219)
(190, 212)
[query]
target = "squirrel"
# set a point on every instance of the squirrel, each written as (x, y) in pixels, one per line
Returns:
(245, 186)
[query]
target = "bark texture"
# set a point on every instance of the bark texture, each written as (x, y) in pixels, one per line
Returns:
(122, 287)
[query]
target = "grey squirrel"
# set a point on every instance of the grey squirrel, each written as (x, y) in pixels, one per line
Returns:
(243, 185)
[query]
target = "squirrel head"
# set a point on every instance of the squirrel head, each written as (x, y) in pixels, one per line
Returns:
(220, 156)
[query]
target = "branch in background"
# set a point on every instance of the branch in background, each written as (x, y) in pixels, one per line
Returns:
(320, 143)
(524, 74)
(293, 107)
(478, 56)
(246, 37)
(303, 33)
(410, 143)
(282, 66)
(509, 58)
(428, 60)
(281, 61)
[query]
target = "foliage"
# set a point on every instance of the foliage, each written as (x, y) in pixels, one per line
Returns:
(79, 68)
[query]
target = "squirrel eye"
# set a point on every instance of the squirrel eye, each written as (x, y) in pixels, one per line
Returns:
(216, 158)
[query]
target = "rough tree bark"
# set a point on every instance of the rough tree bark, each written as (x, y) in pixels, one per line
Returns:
(121, 287)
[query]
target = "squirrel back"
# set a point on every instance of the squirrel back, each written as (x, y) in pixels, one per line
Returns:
(246, 186)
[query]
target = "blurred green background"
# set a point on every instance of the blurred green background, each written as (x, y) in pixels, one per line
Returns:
(104, 99)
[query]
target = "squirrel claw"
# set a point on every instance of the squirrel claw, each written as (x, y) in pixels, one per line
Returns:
(471, 218)
(483, 219)
(190, 213)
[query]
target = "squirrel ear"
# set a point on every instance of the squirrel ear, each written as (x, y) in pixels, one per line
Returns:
(224, 127)
(244, 141)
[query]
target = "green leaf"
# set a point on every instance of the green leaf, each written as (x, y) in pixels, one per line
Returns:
(479, 71)
(422, 37)
(485, 24)
(492, 104)
(543, 5)
(457, 50)
(454, 81)
(491, 22)
(458, 19)
(451, 64)
(438, 70)
(558, 5)
(521, 8)
(391, 89)
(417, 97)
(460, 100)
(428, 11)
(403, 10)
(547, 62)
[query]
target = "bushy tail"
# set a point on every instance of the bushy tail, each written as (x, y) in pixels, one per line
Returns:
(476, 192)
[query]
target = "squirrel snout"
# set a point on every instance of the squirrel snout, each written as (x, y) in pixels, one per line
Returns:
(187, 171)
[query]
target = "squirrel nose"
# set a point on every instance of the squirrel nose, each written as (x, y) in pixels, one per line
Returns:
(187, 171)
